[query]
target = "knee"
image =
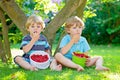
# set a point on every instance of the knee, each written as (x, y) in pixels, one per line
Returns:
(99, 57)
(58, 55)
(17, 58)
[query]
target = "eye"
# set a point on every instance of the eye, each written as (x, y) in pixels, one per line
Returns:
(80, 27)
(32, 26)
(38, 26)
(74, 27)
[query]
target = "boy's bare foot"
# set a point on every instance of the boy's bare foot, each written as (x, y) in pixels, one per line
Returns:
(80, 68)
(57, 67)
(33, 68)
(102, 68)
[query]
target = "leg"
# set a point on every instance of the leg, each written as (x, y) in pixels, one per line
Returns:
(24, 64)
(99, 64)
(67, 62)
(55, 66)
(91, 61)
(98, 61)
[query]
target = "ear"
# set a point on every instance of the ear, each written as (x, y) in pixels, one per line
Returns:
(27, 29)
(68, 30)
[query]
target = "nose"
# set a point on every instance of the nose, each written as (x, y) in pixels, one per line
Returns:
(35, 27)
(78, 29)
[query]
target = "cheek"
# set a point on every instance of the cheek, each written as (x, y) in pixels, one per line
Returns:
(40, 29)
(74, 31)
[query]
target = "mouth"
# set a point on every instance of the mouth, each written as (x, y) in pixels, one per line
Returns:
(78, 33)
(35, 32)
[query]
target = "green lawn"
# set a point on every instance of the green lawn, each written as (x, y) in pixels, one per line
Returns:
(110, 53)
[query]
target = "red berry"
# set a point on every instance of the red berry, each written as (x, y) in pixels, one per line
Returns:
(39, 58)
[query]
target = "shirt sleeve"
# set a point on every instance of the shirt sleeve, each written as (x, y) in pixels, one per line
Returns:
(47, 46)
(86, 45)
(24, 42)
(63, 42)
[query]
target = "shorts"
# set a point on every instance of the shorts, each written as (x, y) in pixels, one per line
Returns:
(24, 56)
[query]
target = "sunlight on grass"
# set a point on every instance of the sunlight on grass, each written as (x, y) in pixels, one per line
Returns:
(16, 52)
(16, 76)
(82, 77)
(63, 76)
(48, 77)
(114, 76)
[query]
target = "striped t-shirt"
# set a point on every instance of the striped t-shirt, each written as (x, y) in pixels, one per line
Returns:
(40, 45)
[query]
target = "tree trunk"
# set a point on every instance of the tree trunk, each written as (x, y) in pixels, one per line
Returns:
(2, 54)
(15, 13)
(6, 46)
(80, 9)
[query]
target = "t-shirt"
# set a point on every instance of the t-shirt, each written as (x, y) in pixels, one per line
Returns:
(82, 45)
(40, 45)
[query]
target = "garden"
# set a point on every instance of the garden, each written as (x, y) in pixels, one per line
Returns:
(102, 31)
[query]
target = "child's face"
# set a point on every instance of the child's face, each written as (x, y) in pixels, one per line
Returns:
(75, 30)
(35, 28)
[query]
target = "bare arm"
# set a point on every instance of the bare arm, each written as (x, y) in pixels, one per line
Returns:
(66, 48)
(48, 51)
(28, 47)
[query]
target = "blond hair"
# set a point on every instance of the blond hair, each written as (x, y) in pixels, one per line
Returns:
(34, 19)
(74, 20)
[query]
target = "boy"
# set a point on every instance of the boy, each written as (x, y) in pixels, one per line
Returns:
(34, 41)
(73, 42)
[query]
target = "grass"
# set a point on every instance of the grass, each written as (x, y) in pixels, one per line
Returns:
(110, 54)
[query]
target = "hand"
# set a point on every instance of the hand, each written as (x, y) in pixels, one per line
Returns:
(87, 60)
(75, 38)
(35, 36)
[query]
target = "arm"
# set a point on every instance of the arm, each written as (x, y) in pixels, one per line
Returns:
(48, 51)
(67, 47)
(28, 47)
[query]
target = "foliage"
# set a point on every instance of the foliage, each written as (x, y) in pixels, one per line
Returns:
(15, 36)
(104, 27)
(40, 7)
(101, 18)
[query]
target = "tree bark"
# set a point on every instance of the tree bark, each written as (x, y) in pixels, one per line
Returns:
(80, 9)
(2, 53)
(15, 13)
(6, 46)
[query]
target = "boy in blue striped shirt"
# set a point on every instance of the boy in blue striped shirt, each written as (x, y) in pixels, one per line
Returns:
(34, 41)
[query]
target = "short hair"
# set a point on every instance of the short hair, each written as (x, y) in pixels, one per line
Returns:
(35, 19)
(74, 20)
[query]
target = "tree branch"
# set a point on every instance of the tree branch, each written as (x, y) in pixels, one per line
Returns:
(60, 18)
(15, 13)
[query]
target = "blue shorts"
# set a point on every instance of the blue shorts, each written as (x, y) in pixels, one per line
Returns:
(24, 56)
